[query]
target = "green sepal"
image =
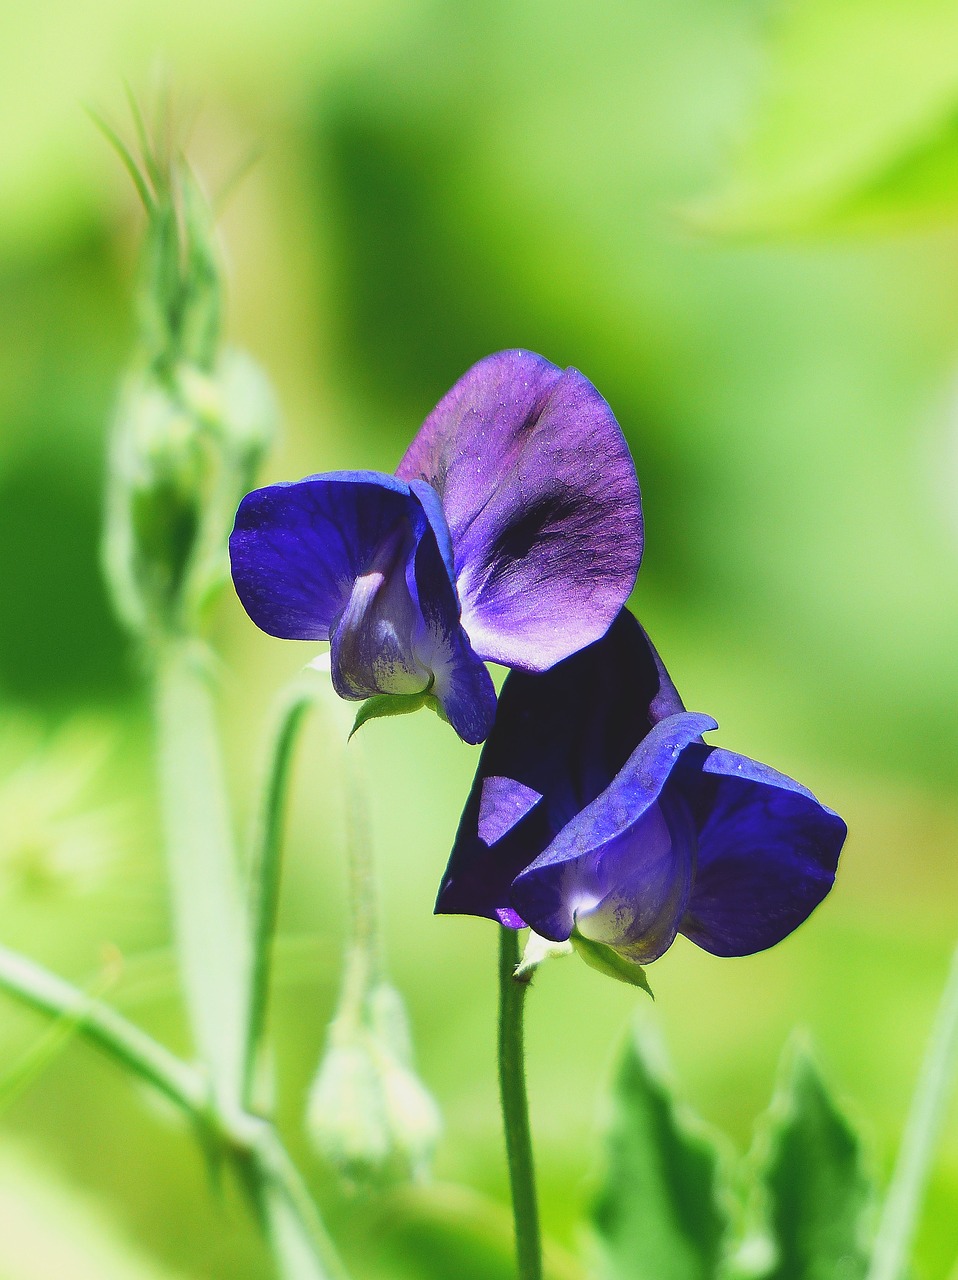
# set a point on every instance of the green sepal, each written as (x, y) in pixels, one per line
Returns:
(536, 951)
(664, 1203)
(608, 961)
(396, 704)
(818, 1198)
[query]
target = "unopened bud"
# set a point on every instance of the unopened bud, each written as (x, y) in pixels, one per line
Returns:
(194, 420)
(160, 474)
(369, 1114)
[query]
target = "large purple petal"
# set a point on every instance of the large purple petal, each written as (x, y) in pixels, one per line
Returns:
(768, 851)
(562, 736)
(628, 857)
(297, 549)
(540, 494)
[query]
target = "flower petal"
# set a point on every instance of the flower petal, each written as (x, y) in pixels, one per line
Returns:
(460, 680)
(540, 494)
(363, 560)
(297, 549)
(768, 851)
(562, 735)
(628, 856)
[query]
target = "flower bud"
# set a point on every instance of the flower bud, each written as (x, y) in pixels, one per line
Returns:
(161, 471)
(369, 1114)
(193, 423)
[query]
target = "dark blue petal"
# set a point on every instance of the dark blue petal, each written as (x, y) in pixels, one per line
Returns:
(297, 549)
(768, 851)
(562, 735)
(632, 844)
(363, 560)
(541, 498)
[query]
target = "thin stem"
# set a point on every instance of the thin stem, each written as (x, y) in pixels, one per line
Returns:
(899, 1218)
(515, 1108)
(208, 920)
(108, 1030)
(359, 851)
(363, 963)
(213, 945)
(265, 875)
(293, 1222)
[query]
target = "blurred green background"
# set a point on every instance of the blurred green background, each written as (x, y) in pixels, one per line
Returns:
(740, 220)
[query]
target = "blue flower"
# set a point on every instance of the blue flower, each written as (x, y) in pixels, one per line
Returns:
(599, 813)
(511, 532)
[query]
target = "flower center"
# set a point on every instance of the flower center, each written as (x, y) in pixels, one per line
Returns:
(636, 886)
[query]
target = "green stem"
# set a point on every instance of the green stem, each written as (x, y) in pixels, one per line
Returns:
(364, 963)
(131, 1048)
(213, 946)
(899, 1219)
(265, 875)
(208, 920)
(515, 1108)
(292, 1223)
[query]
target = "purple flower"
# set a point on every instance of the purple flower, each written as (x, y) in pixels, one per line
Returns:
(598, 812)
(512, 532)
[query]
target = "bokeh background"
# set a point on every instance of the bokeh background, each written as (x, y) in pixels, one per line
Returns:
(740, 219)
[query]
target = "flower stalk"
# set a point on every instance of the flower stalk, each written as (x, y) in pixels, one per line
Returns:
(208, 918)
(265, 874)
(369, 1113)
(515, 1107)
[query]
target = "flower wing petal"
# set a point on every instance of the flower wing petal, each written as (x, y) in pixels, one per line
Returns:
(569, 876)
(768, 851)
(296, 549)
(542, 501)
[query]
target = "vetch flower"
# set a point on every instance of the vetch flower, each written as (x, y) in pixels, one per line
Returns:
(598, 813)
(511, 532)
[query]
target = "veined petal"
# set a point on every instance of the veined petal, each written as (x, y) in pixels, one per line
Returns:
(625, 863)
(541, 498)
(562, 736)
(768, 851)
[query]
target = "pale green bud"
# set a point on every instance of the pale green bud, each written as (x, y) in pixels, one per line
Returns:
(369, 1114)
(185, 450)
(160, 473)
(194, 420)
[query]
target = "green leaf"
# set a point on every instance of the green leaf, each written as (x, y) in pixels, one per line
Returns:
(662, 1212)
(608, 961)
(855, 124)
(819, 1200)
(395, 704)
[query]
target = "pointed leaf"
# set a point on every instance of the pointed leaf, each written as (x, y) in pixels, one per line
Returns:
(662, 1211)
(608, 961)
(819, 1198)
(389, 704)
